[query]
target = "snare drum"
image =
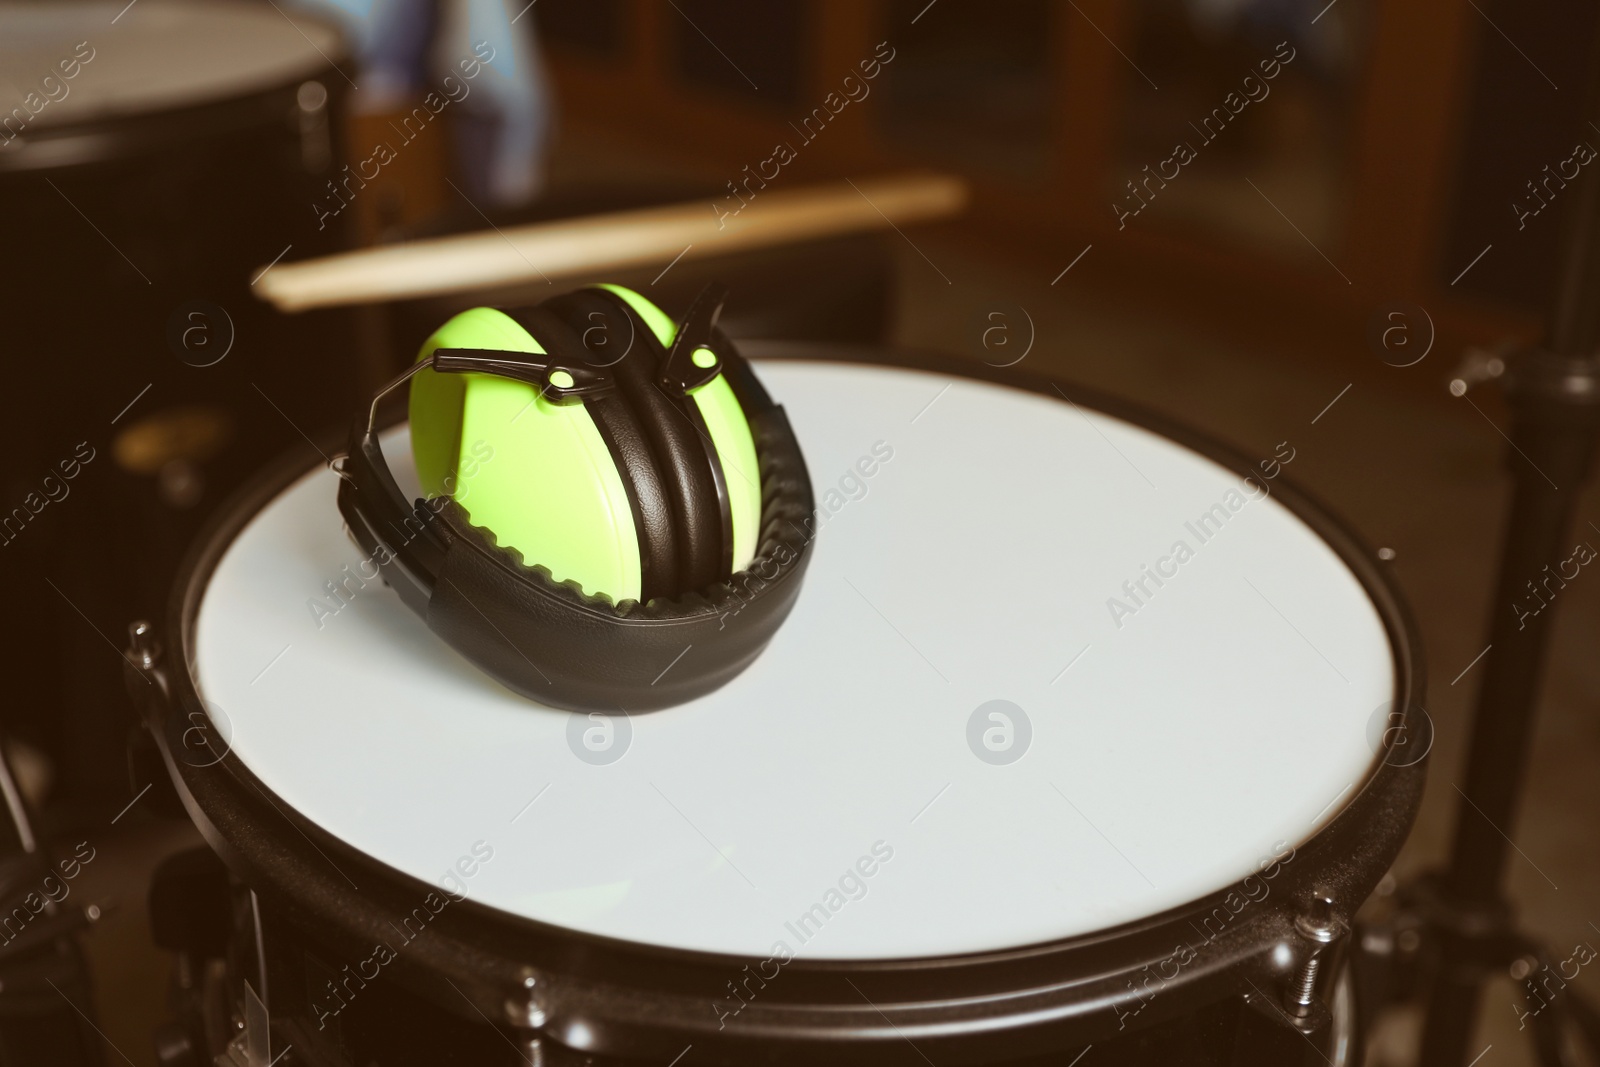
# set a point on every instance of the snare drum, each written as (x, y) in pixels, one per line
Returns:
(1068, 744)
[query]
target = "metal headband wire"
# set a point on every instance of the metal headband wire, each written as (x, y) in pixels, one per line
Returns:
(399, 380)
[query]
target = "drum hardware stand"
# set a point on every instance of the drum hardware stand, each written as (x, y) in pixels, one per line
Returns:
(1461, 920)
(41, 963)
(1459, 917)
(214, 1021)
(190, 896)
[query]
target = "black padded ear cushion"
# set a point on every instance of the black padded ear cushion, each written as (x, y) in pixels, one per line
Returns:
(549, 642)
(654, 517)
(681, 448)
(747, 388)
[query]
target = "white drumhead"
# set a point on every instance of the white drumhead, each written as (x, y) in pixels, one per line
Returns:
(1168, 757)
(130, 59)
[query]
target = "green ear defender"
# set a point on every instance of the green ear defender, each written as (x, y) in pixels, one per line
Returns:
(643, 487)
(615, 513)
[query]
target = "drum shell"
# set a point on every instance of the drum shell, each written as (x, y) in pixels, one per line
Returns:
(628, 1000)
(115, 226)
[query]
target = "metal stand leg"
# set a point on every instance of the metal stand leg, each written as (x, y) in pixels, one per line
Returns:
(1554, 395)
(1556, 411)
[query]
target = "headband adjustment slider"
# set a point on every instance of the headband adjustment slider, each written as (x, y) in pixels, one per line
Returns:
(558, 381)
(686, 367)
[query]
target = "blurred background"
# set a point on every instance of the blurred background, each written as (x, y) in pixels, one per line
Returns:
(1275, 220)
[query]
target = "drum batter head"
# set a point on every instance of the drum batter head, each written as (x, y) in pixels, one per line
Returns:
(987, 694)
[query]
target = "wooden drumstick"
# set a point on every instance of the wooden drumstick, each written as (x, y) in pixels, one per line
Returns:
(594, 244)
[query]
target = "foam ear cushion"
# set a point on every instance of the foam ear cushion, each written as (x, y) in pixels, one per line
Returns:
(654, 518)
(752, 395)
(677, 443)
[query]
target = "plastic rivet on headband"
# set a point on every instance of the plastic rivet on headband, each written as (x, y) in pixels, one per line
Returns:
(704, 358)
(561, 379)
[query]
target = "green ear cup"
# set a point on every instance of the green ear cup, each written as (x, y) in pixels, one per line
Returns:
(730, 434)
(541, 476)
(537, 474)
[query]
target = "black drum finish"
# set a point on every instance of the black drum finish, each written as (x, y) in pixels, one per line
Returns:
(1244, 976)
(141, 362)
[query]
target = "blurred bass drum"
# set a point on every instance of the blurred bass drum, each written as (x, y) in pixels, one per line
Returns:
(153, 157)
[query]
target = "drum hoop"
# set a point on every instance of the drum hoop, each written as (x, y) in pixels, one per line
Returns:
(618, 997)
(121, 136)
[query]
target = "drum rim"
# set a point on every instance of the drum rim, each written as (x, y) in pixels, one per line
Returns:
(620, 997)
(120, 136)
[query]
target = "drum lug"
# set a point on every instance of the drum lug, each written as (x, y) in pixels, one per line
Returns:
(528, 1012)
(143, 648)
(527, 1009)
(1296, 1026)
(144, 679)
(533, 1050)
(1322, 933)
